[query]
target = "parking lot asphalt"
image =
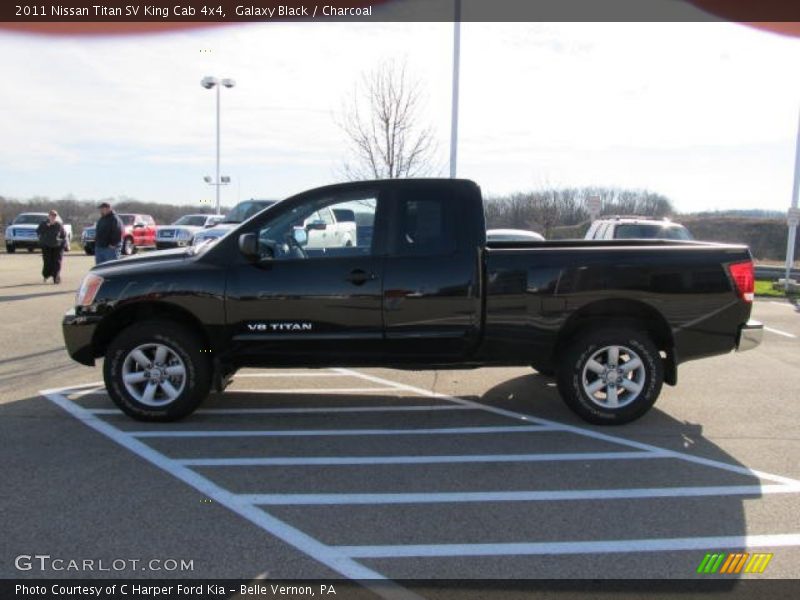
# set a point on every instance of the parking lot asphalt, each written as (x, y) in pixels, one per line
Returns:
(367, 473)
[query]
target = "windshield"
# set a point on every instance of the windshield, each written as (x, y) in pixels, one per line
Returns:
(646, 231)
(191, 220)
(244, 210)
(127, 219)
(29, 219)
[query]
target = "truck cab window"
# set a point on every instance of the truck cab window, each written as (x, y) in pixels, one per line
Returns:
(425, 229)
(312, 230)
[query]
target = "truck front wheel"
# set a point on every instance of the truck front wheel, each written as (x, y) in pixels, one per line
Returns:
(155, 371)
(611, 376)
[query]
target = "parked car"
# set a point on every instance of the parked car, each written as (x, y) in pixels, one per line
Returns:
(613, 318)
(240, 213)
(513, 235)
(326, 228)
(634, 228)
(22, 232)
(139, 233)
(182, 231)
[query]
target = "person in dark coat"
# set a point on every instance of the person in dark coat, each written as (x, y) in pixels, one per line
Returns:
(108, 235)
(52, 238)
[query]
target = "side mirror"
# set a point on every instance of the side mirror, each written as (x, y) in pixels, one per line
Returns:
(248, 245)
(316, 226)
(300, 236)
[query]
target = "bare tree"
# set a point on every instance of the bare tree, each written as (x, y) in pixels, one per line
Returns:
(382, 124)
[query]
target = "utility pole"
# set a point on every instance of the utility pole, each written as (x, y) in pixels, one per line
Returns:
(456, 68)
(793, 215)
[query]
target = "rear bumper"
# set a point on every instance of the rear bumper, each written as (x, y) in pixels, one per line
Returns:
(78, 334)
(750, 335)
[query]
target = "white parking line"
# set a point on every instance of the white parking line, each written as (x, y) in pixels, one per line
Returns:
(517, 496)
(324, 554)
(307, 410)
(289, 375)
(550, 548)
(779, 332)
(413, 460)
(555, 426)
(160, 433)
(317, 391)
(95, 391)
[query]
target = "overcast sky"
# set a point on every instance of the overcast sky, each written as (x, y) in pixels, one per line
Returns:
(705, 113)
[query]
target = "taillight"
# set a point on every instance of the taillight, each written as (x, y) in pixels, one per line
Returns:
(743, 276)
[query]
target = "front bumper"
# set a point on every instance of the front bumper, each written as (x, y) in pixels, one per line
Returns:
(164, 244)
(23, 243)
(78, 333)
(750, 336)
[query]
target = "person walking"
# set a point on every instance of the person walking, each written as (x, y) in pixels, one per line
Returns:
(108, 235)
(52, 238)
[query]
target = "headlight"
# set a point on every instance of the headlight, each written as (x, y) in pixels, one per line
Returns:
(89, 287)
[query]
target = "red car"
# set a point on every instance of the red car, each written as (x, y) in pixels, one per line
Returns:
(140, 232)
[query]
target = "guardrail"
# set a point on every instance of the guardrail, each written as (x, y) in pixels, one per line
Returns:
(773, 273)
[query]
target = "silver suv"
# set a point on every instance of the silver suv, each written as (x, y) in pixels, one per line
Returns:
(631, 228)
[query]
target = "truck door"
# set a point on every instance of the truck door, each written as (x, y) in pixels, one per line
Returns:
(431, 292)
(306, 303)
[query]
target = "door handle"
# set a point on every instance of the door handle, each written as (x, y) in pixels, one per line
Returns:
(359, 277)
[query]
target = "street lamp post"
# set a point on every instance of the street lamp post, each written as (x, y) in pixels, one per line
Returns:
(209, 83)
(456, 70)
(793, 216)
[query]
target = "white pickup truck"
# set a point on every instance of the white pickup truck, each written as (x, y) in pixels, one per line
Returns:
(329, 228)
(22, 232)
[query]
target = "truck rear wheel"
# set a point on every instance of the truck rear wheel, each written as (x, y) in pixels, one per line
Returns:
(611, 376)
(155, 371)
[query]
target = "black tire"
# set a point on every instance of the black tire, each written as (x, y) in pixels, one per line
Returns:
(127, 246)
(11, 249)
(571, 376)
(184, 344)
(31, 249)
(88, 251)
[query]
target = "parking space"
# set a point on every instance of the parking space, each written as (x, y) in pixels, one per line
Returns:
(378, 478)
(379, 473)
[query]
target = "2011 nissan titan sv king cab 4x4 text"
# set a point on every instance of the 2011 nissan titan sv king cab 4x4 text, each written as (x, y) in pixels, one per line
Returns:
(419, 288)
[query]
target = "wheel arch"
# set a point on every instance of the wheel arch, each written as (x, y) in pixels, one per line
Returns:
(623, 311)
(129, 314)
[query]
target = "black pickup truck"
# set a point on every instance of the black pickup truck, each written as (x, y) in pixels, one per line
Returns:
(417, 288)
